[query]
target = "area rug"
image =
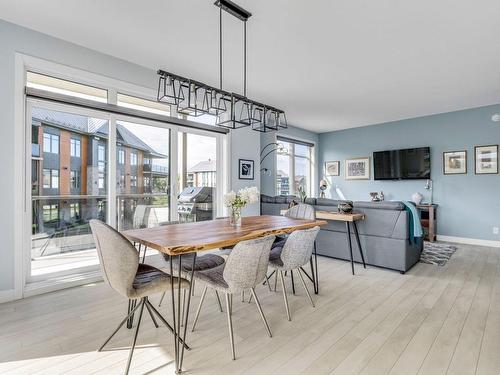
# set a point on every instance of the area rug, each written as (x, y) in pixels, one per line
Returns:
(435, 253)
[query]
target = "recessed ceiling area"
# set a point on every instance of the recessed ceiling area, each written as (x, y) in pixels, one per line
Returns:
(329, 64)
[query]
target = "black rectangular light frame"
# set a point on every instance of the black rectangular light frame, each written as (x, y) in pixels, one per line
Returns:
(233, 9)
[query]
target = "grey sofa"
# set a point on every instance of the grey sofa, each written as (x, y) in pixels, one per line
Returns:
(384, 234)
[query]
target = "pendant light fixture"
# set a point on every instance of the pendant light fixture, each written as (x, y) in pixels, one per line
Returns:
(232, 110)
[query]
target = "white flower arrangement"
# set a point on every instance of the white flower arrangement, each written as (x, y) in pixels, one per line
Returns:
(247, 195)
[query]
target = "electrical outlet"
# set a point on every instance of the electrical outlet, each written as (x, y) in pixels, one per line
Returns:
(495, 230)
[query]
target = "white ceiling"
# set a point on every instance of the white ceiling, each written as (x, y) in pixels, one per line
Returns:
(331, 64)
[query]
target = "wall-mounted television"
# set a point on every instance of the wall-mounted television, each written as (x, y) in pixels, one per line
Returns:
(407, 164)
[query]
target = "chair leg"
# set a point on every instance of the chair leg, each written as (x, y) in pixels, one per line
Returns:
(152, 316)
(242, 296)
(161, 299)
(143, 302)
(118, 328)
(305, 287)
(268, 283)
(230, 325)
(199, 308)
(192, 289)
(275, 280)
(183, 304)
(261, 312)
(284, 296)
(218, 300)
(293, 282)
(170, 328)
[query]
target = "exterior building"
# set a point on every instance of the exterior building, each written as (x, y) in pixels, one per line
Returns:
(282, 183)
(202, 174)
(70, 172)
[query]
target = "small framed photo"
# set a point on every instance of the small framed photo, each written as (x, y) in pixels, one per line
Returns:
(455, 162)
(486, 159)
(332, 168)
(246, 169)
(357, 169)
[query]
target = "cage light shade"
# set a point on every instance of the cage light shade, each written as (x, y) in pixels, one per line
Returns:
(282, 123)
(169, 90)
(271, 118)
(214, 101)
(231, 118)
(194, 96)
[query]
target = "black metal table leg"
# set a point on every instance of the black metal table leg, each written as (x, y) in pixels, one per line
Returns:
(172, 290)
(293, 283)
(359, 243)
(349, 243)
(316, 274)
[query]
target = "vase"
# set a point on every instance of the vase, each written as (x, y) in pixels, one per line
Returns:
(235, 217)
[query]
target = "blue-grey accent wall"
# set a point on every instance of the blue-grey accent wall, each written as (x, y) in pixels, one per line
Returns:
(469, 205)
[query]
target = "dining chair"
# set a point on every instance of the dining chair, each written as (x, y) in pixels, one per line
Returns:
(121, 269)
(294, 254)
(305, 212)
(244, 269)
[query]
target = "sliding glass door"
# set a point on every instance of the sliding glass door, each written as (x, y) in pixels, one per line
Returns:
(68, 171)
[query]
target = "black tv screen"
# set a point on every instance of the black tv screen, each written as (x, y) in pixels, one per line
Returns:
(407, 164)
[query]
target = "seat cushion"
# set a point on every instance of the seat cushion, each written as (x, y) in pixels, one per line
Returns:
(213, 277)
(203, 262)
(150, 280)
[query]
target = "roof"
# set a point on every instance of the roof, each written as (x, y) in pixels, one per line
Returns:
(91, 126)
(203, 166)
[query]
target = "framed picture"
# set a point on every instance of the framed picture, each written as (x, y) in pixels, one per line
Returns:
(357, 169)
(332, 168)
(455, 162)
(246, 169)
(486, 159)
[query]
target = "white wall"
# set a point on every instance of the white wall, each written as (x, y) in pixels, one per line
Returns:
(14, 39)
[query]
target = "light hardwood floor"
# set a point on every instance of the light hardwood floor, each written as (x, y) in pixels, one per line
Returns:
(433, 320)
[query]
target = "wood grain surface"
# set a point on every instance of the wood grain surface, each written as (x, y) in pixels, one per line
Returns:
(183, 238)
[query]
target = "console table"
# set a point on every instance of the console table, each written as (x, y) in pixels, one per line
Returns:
(349, 219)
(428, 218)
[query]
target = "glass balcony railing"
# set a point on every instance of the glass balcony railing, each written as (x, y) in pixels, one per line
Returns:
(142, 210)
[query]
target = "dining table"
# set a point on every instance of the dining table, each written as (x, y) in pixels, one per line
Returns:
(180, 239)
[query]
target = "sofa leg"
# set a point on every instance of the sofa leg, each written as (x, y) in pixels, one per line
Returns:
(402, 272)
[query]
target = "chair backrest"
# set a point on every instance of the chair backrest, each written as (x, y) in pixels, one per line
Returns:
(298, 248)
(118, 257)
(247, 263)
(301, 211)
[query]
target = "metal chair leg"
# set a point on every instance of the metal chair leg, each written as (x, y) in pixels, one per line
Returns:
(161, 299)
(170, 328)
(135, 336)
(261, 312)
(199, 308)
(305, 287)
(192, 288)
(218, 300)
(152, 316)
(118, 328)
(293, 282)
(284, 296)
(268, 283)
(230, 324)
(275, 280)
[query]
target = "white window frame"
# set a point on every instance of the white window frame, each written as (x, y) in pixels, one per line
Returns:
(75, 147)
(22, 146)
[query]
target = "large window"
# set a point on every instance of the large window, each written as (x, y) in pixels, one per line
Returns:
(50, 178)
(133, 158)
(293, 167)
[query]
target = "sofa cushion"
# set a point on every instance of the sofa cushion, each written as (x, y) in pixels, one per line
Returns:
(328, 202)
(385, 205)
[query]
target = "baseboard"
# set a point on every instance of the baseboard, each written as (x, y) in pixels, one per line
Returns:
(469, 241)
(7, 295)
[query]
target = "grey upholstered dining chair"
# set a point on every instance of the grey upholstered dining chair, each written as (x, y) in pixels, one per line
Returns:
(296, 252)
(244, 269)
(299, 211)
(131, 279)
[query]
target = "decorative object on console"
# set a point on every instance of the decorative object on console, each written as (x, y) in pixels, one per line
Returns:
(345, 207)
(429, 185)
(455, 162)
(235, 202)
(357, 168)
(486, 159)
(246, 169)
(323, 185)
(417, 198)
(332, 168)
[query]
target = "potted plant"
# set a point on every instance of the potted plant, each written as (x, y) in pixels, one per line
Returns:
(235, 202)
